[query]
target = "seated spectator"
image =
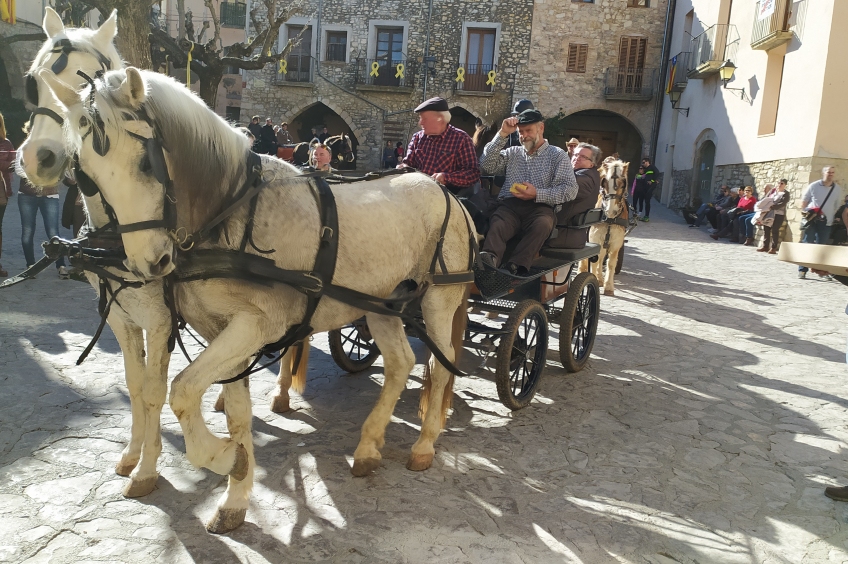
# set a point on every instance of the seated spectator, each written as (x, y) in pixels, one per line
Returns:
(721, 199)
(584, 161)
(744, 208)
(717, 216)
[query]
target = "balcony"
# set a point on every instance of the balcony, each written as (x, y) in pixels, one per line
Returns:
(772, 31)
(476, 78)
(622, 83)
(298, 70)
(233, 14)
(680, 79)
(711, 48)
(379, 73)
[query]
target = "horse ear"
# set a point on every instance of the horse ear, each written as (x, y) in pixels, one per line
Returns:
(52, 24)
(63, 92)
(133, 88)
(626, 166)
(107, 32)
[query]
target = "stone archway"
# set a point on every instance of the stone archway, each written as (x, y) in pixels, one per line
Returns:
(321, 114)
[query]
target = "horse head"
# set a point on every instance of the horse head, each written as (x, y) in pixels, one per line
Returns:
(67, 51)
(341, 148)
(482, 135)
(613, 174)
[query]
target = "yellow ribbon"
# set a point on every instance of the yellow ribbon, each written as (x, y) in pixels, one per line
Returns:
(492, 74)
(399, 73)
(188, 66)
(460, 75)
(375, 68)
(284, 66)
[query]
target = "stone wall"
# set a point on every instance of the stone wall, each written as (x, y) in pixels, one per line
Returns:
(367, 109)
(681, 191)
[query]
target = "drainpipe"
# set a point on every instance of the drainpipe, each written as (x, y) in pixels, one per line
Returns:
(666, 47)
(427, 50)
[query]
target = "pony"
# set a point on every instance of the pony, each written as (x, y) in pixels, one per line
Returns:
(610, 233)
(238, 316)
(340, 148)
(43, 160)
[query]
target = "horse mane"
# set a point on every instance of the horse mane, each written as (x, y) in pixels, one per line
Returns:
(82, 39)
(483, 134)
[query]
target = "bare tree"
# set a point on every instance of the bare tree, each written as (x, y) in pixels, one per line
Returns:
(210, 60)
(133, 24)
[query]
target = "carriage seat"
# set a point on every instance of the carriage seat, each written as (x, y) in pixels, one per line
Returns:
(571, 255)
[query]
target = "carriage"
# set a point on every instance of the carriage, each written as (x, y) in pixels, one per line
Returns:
(552, 292)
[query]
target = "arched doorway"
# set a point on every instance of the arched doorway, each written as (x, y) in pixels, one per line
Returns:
(14, 111)
(609, 131)
(704, 171)
(319, 115)
(463, 119)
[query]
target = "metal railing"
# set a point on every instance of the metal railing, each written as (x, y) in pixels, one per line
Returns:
(772, 30)
(712, 47)
(385, 72)
(335, 52)
(629, 83)
(298, 69)
(233, 14)
(476, 78)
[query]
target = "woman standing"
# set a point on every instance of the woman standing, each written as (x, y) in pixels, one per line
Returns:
(771, 232)
(34, 199)
(7, 162)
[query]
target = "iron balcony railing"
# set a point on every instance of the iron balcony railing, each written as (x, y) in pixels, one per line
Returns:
(397, 72)
(476, 78)
(712, 48)
(772, 30)
(297, 68)
(621, 83)
(233, 14)
(678, 69)
(336, 52)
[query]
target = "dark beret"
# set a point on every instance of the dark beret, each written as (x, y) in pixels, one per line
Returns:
(433, 105)
(529, 116)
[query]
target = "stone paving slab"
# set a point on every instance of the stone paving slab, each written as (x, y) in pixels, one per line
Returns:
(704, 429)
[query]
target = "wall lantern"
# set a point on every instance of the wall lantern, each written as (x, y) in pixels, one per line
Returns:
(674, 96)
(726, 71)
(430, 61)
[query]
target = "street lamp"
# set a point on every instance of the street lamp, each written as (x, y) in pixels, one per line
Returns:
(431, 65)
(674, 96)
(726, 71)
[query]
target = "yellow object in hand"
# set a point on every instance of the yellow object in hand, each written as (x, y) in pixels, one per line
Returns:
(517, 187)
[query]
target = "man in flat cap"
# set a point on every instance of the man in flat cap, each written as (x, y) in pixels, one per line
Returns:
(520, 106)
(539, 178)
(440, 149)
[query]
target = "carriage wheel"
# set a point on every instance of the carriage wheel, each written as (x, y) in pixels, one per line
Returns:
(352, 347)
(620, 262)
(521, 354)
(579, 322)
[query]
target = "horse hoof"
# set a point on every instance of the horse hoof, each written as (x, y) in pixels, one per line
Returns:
(125, 468)
(225, 520)
(241, 465)
(609, 292)
(364, 467)
(219, 404)
(140, 488)
(419, 462)
(280, 404)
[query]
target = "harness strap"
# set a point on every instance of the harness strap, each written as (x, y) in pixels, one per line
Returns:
(104, 307)
(45, 112)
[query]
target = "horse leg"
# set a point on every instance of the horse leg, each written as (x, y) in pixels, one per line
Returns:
(398, 361)
(153, 394)
(293, 367)
(219, 403)
(598, 267)
(232, 507)
(131, 340)
(444, 313)
(609, 283)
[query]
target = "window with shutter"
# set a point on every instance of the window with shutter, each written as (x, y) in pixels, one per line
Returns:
(577, 54)
(631, 62)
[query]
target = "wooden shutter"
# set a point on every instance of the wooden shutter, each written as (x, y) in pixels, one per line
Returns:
(577, 54)
(631, 53)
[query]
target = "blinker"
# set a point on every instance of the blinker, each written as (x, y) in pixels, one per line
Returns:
(31, 90)
(157, 159)
(86, 185)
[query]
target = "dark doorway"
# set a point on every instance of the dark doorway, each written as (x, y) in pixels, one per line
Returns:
(704, 175)
(319, 115)
(463, 119)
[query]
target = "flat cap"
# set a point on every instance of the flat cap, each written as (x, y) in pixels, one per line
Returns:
(529, 116)
(433, 105)
(521, 105)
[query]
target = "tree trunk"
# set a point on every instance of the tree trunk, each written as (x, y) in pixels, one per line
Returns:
(133, 27)
(209, 82)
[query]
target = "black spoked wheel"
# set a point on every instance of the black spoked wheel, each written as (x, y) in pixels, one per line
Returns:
(579, 322)
(521, 354)
(352, 347)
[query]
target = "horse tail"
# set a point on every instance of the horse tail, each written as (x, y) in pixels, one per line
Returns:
(458, 325)
(299, 365)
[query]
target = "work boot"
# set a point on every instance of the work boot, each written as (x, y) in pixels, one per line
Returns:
(488, 259)
(837, 493)
(773, 251)
(762, 249)
(749, 242)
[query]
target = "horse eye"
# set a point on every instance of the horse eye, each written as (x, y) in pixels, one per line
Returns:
(145, 165)
(83, 122)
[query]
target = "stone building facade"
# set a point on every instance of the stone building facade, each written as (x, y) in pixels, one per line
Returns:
(330, 78)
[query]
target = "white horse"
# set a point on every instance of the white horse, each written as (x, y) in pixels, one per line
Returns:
(610, 233)
(43, 160)
(389, 233)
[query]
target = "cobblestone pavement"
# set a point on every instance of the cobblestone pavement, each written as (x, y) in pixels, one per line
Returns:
(704, 429)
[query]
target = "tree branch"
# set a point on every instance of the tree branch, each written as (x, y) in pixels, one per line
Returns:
(23, 37)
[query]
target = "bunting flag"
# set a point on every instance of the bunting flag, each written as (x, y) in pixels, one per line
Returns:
(671, 72)
(7, 11)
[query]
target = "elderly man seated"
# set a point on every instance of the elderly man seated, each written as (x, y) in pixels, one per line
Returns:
(539, 178)
(584, 160)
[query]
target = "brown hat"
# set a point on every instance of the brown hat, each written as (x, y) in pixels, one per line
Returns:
(433, 105)
(572, 142)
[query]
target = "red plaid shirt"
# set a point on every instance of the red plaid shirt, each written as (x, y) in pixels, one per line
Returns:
(452, 153)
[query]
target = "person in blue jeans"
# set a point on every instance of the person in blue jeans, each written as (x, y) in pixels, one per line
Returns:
(822, 196)
(31, 201)
(722, 198)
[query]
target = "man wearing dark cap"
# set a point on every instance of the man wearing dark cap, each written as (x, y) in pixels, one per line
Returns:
(520, 106)
(440, 149)
(539, 178)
